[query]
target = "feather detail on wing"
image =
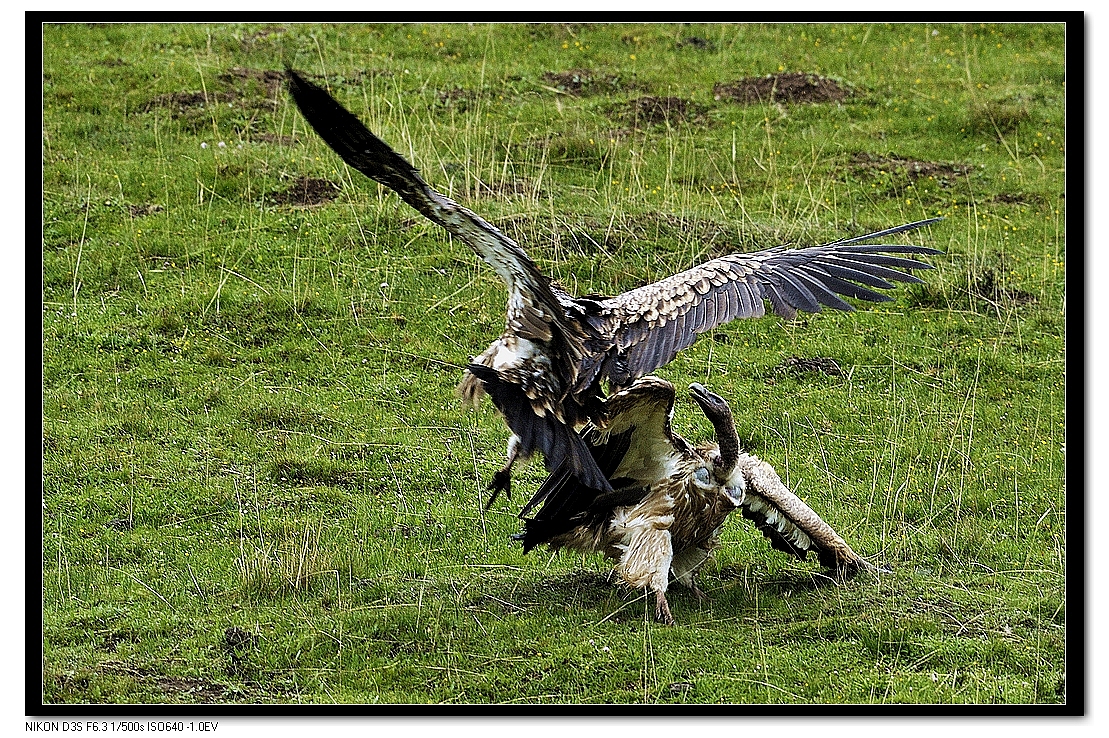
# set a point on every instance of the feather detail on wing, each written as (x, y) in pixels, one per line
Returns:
(654, 322)
(362, 150)
(790, 524)
(540, 429)
(632, 447)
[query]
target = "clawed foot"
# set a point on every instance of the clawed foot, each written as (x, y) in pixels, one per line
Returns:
(662, 609)
(501, 482)
(698, 593)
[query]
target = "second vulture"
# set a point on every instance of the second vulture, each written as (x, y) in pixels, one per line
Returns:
(670, 498)
(546, 372)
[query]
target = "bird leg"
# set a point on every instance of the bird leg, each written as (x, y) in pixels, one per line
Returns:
(697, 591)
(502, 480)
(662, 608)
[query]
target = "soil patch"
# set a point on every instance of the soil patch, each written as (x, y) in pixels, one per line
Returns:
(237, 84)
(696, 42)
(799, 366)
(307, 191)
(1017, 198)
(790, 87)
(236, 642)
(139, 211)
(180, 102)
(273, 138)
(580, 82)
(252, 38)
(649, 110)
(507, 188)
(271, 79)
(945, 173)
(458, 98)
(989, 288)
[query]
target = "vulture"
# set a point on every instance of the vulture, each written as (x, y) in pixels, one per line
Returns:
(670, 499)
(546, 373)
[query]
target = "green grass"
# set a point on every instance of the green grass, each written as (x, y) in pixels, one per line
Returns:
(259, 485)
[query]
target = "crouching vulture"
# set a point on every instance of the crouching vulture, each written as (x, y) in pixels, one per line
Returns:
(545, 372)
(669, 499)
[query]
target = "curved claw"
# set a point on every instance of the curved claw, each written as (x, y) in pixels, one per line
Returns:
(662, 609)
(501, 482)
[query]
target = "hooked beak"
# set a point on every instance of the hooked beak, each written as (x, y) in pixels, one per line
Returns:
(703, 396)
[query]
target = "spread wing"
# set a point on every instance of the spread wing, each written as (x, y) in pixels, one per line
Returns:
(653, 323)
(788, 523)
(532, 304)
(634, 448)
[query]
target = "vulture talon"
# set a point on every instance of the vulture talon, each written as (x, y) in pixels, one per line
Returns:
(501, 482)
(662, 609)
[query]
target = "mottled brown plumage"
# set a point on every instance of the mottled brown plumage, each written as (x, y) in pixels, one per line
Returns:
(545, 372)
(670, 499)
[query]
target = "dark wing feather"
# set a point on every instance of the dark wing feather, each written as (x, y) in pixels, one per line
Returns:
(361, 149)
(558, 442)
(636, 425)
(650, 325)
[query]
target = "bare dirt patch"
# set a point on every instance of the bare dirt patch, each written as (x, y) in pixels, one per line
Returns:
(242, 86)
(991, 289)
(270, 79)
(458, 98)
(799, 366)
(180, 102)
(945, 173)
(1017, 198)
(789, 87)
(252, 38)
(515, 187)
(651, 110)
(307, 191)
(273, 138)
(696, 42)
(139, 211)
(582, 82)
(189, 688)
(236, 643)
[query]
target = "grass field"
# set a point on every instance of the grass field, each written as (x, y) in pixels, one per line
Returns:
(259, 486)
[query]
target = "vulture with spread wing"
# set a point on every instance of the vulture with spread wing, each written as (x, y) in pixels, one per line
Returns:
(670, 499)
(545, 372)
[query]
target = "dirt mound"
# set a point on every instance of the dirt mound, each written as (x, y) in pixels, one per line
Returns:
(798, 366)
(307, 191)
(791, 87)
(988, 287)
(579, 82)
(271, 79)
(139, 211)
(943, 172)
(649, 110)
(251, 38)
(179, 102)
(273, 138)
(697, 42)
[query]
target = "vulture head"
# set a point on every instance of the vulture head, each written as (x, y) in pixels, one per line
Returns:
(719, 414)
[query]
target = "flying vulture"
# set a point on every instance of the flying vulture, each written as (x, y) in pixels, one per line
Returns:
(545, 372)
(670, 499)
